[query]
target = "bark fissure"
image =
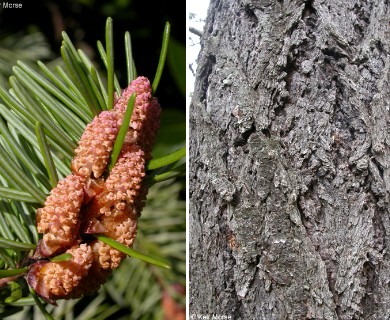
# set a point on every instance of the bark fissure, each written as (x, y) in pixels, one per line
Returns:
(291, 179)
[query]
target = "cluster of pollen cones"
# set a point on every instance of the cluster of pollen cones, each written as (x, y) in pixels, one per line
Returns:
(92, 200)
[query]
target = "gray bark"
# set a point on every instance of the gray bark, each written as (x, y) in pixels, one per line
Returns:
(289, 161)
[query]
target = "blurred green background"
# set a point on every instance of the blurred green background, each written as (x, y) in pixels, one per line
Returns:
(33, 32)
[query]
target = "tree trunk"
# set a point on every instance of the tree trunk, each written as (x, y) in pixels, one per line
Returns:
(290, 161)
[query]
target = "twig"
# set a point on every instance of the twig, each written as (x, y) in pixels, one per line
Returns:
(196, 32)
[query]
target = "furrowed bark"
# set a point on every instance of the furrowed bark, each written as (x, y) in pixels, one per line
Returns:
(289, 170)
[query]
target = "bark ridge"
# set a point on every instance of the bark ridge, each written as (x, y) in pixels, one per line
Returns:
(289, 161)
